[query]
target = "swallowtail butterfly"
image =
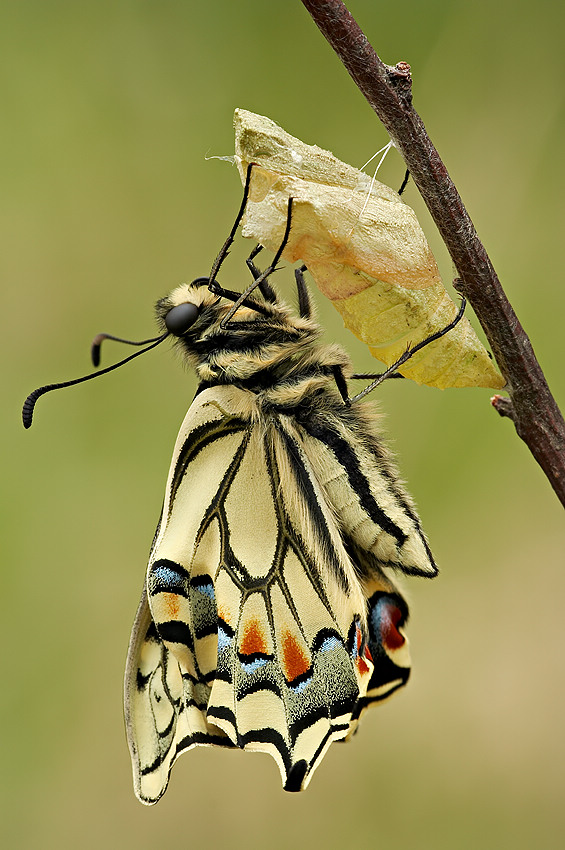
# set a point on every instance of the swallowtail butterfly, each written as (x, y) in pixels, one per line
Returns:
(269, 619)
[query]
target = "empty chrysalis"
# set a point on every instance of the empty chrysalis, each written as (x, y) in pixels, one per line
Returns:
(365, 250)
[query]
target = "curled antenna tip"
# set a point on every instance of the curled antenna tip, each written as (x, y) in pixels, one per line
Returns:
(29, 406)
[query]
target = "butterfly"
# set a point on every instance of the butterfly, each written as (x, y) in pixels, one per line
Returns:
(269, 619)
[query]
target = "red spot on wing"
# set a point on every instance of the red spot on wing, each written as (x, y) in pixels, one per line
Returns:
(253, 639)
(362, 666)
(294, 658)
(391, 637)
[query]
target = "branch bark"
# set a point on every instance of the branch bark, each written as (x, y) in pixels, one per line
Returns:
(531, 406)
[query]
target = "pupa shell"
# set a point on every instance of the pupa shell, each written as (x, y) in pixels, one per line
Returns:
(365, 250)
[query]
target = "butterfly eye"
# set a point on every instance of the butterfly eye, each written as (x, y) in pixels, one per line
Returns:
(180, 318)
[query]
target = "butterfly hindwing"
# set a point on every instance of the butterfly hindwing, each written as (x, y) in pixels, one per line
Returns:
(356, 476)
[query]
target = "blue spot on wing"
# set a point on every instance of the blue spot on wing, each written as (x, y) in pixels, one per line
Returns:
(330, 643)
(207, 590)
(204, 585)
(299, 687)
(224, 639)
(167, 577)
(252, 666)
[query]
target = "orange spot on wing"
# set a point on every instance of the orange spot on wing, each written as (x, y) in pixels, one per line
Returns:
(362, 666)
(294, 658)
(253, 639)
(171, 601)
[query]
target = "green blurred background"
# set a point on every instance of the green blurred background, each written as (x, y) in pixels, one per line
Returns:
(109, 109)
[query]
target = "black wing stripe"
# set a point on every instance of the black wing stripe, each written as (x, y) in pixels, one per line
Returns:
(310, 498)
(204, 738)
(176, 631)
(382, 459)
(260, 685)
(197, 440)
(348, 459)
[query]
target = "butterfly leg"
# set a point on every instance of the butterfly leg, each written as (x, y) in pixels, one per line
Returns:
(404, 182)
(304, 303)
(391, 372)
(305, 310)
(265, 287)
(264, 275)
(214, 287)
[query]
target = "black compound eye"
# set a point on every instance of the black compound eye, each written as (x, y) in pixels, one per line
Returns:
(180, 318)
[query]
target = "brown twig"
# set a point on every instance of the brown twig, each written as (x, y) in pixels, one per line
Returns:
(531, 406)
(503, 406)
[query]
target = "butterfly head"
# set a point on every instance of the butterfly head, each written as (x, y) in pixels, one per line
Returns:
(204, 324)
(188, 309)
(192, 310)
(225, 346)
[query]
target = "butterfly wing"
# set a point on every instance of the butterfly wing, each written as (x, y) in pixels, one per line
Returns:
(377, 525)
(357, 477)
(164, 714)
(165, 703)
(257, 630)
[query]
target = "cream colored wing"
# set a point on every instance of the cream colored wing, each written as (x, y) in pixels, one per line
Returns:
(258, 631)
(161, 721)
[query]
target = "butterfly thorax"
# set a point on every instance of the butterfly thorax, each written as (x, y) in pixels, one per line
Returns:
(273, 353)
